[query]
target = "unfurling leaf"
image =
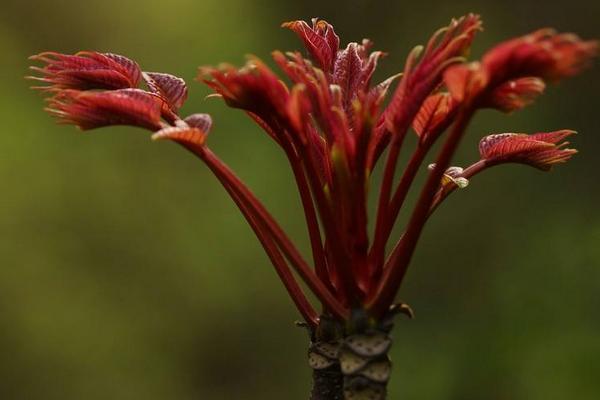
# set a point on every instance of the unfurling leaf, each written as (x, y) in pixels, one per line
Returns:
(170, 87)
(545, 54)
(200, 121)
(540, 150)
(89, 110)
(433, 114)
(86, 70)
(193, 138)
(320, 41)
(516, 94)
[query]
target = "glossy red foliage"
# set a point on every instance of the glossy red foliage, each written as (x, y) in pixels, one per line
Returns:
(539, 150)
(333, 124)
(90, 110)
(544, 54)
(515, 94)
(169, 87)
(86, 70)
(435, 110)
(320, 40)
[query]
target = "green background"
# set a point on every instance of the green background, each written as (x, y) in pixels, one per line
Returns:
(126, 272)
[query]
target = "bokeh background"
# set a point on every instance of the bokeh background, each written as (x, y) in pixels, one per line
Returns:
(126, 273)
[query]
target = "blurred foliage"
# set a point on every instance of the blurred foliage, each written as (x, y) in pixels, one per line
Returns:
(125, 272)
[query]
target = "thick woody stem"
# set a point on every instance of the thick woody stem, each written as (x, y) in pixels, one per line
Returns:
(351, 362)
(364, 359)
(328, 384)
(323, 358)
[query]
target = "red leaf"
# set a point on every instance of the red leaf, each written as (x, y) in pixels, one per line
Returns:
(347, 72)
(296, 67)
(465, 81)
(321, 41)
(298, 107)
(200, 121)
(169, 87)
(86, 70)
(253, 88)
(192, 138)
(422, 77)
(378, 92)
(508, 144)
(89, 110)
(369, 66)
(433, 113)
(128, 67)
(540, 150)
(552, 137)
(516, 94)
(544, 53)
(511, 73)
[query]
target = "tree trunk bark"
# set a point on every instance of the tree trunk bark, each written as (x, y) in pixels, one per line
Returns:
(323, 358)
(350, 362)
(328, 384)
(365, 365)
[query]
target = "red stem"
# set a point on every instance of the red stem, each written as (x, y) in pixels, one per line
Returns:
(407, 180)
(332, 231)
(394, 208)
(259, 212)
(411, 94)
(440, 196)
(315, 185)
(393, 276)
(310, 215)
(312, 222)
(379, 240)
(281, 267)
